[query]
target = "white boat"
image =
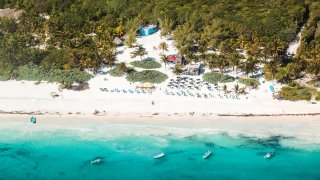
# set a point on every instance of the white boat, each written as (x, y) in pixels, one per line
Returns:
(207, 154)
(97, 161)
(268, 155)
(161, 155)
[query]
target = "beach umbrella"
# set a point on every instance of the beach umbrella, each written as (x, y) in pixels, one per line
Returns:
(271, 88)
(33, 120)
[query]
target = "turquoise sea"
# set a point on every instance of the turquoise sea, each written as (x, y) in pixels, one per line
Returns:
(66, 154)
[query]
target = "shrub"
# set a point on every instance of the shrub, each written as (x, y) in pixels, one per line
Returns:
(33, 72)
(249, 82)
(314, 83)
(318, 97)
(2, 78)
(214, 78)
(295, 93)
(146, 64)
(115, 72)
(147, 76)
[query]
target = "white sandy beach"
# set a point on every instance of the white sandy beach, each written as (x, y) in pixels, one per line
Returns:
(25, 96)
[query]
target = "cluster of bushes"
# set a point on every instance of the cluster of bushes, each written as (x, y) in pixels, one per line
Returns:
(146, 64)
(2, 78)
(37, 73)
(318, 97)
(147, 76)
(117, 72)
(314, 83)
(295, 93)
(214, 78)
(250, 82)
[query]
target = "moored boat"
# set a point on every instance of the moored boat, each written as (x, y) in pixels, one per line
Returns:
(158, 156)
(207, 154)
(97, 161)
(268, 155)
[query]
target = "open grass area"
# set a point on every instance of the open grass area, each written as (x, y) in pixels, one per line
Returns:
(214, 78)
(151, 76)
(249, 82)
(146, 64)
(37, 73)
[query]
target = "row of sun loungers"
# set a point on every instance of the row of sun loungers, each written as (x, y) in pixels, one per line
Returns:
(116, 90)
(200, 95)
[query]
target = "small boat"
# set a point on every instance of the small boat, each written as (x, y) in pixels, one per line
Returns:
(97, 161)
(206, 154)
(161, 155)
(268, 155)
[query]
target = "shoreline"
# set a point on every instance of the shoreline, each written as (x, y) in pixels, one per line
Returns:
(303, 131)
(106, 114)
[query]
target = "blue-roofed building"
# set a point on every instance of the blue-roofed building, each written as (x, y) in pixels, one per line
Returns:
(148, 30)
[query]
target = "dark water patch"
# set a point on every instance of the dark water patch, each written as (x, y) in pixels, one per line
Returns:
(176, 152)
(160, 161)
(271, 142)
(4, 149)
(209, 144)
(22, 152)
(191, 138)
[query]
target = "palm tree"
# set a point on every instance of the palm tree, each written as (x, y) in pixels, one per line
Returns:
(235, 61)
(211, 61)
(313, 61)
(236, 88)
(242, 42)
(140, 51)
(221, 63)
(225, 89)
(131, 39)
(288, 72)
(164, 60)
(163, 46)
(109, 57)
(272, 67)
(177, 70)
(122, 67)
(277, 47)
(249, 66)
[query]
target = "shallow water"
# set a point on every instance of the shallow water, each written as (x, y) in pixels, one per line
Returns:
(66, 154)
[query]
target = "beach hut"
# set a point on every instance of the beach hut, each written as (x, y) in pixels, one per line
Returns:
(33, 120)
(193, 69)
(178, 59)
(148, 30)
(117, 41)
(171, 58)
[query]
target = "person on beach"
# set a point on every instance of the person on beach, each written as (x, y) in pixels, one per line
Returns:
(152, 103)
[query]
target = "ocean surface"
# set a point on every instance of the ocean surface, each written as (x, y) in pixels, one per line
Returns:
(30, 152)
